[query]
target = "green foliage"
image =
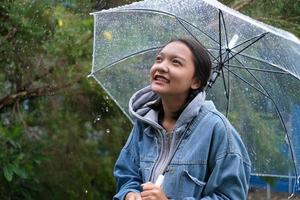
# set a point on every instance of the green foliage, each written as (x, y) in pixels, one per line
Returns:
(19, 161)
(21, 27)
(83, 148)
(61, 146)
(60, 133)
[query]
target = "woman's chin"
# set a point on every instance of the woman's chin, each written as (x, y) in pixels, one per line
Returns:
(156, 89)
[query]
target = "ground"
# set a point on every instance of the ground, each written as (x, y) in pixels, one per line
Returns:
(262, 195)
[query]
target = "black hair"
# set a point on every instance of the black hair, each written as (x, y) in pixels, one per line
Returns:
(201, 59)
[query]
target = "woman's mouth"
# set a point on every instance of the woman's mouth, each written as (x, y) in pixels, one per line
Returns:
(161, 79)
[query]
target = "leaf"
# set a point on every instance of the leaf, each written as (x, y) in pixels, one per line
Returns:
(8, 172)
(16, 132)
(87, 23)
(19, 171)
(3, 131)
(38, 159)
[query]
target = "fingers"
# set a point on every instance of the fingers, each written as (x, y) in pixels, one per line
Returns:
(133, 196)
(130, 196)
(138, 196)
(148, 186)
(152, 191)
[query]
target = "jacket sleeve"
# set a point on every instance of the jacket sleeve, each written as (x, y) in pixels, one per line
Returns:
(126, 169)
(229, 164)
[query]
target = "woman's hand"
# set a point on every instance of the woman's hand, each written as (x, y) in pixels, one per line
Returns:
(152, 192)
(133, 196)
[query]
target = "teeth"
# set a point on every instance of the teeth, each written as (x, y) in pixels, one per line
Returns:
(160, 78)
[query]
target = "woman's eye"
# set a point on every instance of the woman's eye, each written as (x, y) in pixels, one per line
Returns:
(158, 59)
(176, 62)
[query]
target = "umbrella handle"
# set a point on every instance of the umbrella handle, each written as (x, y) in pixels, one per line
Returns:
(159, 180)
(213, 78)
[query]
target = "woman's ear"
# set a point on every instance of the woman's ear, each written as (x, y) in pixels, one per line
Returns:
(196, 84)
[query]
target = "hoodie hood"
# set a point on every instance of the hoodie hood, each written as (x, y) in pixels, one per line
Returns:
(140, 108)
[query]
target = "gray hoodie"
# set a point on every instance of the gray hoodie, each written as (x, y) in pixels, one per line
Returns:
(169, 142)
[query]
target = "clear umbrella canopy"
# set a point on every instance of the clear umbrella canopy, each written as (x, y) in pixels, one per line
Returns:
(259, 76)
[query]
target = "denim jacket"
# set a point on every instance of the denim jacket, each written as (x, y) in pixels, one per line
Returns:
(209, 162)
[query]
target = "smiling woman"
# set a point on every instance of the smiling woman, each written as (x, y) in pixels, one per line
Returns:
(180, 136)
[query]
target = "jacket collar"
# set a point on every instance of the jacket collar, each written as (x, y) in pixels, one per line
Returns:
(140, 108)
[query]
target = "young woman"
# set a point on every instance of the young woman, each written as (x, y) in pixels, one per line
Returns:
(180, 135)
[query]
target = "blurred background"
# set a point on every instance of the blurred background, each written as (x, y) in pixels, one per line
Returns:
(60, 133)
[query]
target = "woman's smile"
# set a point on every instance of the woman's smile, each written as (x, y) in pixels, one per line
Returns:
(161, 79)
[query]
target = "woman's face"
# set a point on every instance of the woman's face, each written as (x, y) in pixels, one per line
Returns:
(173, 72)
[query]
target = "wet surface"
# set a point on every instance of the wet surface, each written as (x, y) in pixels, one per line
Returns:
(263, 195)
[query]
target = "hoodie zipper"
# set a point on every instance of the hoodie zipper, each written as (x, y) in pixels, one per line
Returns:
(163, 155)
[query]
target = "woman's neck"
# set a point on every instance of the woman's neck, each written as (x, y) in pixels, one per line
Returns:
(170, 108)
(172, 104)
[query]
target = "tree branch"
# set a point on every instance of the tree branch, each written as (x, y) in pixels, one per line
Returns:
(39, 76)
(48, 90)
(9, 35)
(241, 5)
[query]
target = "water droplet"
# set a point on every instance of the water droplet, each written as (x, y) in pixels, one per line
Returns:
(106, 97)
(107, 131)
(106, 109)
(107, 35)
(86, 191)
(98, 118)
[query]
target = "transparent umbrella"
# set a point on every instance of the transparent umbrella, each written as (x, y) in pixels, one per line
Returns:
(256, 71)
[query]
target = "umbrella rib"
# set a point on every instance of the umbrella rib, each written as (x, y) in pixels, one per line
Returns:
(263, 61)
(126, 57)
(250, 39)
(228, 84)
(279, 114)
(222, 22)
(269, 96)
(268, 63)
(193, 36)
(227, 89)
(224, 26)
(237, 53)
(255, 38)
(252, 57)
(169, 14)
(220, 39)
(256, 69)
(242, 79)
(216, 58)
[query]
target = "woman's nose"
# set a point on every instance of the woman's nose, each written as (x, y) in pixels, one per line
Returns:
(163, 67)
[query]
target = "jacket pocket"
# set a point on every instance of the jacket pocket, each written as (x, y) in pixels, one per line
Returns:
(190, 186)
